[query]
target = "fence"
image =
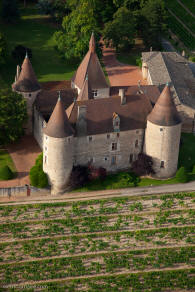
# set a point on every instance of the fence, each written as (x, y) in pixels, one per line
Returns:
(7, 192)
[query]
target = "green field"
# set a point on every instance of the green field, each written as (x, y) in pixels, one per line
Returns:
(142, 243)
(5, 159)
(35, 31)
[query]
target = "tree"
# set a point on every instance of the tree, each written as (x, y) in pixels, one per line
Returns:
(13, 115)
(19, 53)
(79, 176)
(73, 41)
(120, 32)
(3, 49)
(143, 165)
(10, 12)
(153, 20)
(182, 175)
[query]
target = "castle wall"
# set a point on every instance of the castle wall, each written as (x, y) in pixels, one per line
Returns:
(162, 143)
(187, 115)
(57, 161)
(30, 98)
(39, 124)
(98, 149)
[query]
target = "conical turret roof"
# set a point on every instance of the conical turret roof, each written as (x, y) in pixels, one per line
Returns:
(58, 125)
(27, 81)
(164, 112)
(90, 66)
(86, 91)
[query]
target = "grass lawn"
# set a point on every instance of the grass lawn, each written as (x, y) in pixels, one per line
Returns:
(5, 159)
(35, 31)
(128, 58)
(114, 181)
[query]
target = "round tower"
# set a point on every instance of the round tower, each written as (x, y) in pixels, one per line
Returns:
(162, 136)
(26, 84)
(57, 149)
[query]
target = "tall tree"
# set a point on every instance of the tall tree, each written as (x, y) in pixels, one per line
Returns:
(73, 41)
(120, 31)
(153, 22)
(13, 115)
(10, 12)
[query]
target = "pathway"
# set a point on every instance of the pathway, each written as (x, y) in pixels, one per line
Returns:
(23, 154)
(82, 196)
(120, 74)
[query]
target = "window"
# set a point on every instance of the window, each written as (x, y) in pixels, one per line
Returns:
(69, 140)
(29, 94)
(45, 148)
(137, 131)
(105, 158)
(136, 143)
(94, 92)
(118, 135)
(90, 138)
(46, 137)
(131, 158)
(162, 164)
(45, 159)
(161, 129)
(113, 160)
(108, 136)
(114, 146)
(117, 124)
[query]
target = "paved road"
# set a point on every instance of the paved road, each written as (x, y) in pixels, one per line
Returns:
(139, 191)
(167, 45)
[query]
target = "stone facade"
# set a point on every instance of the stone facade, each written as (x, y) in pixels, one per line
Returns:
(57, 161)
(113, 151)
(162, 144)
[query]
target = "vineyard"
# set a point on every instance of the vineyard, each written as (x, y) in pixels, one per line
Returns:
(176, 27)
(137, 243)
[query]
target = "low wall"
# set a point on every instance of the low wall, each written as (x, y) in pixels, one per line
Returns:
(7, 192)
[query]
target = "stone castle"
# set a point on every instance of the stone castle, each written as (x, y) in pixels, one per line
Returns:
(90, 122)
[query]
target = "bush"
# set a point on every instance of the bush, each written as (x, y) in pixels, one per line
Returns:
(6, 173)
(193, 169)
(37, 177)
(182, 175)
(139, 62)
(95, 173)
(143, 165)
(79, 176)
(192, 58)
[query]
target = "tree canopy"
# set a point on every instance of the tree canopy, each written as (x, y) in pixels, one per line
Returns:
(120, 32)
(73, 41)
(9, 11)
(13, 114)
(3, 49)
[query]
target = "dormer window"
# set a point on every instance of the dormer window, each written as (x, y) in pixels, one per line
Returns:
(116, 122)
(95, 93)
(114, 146)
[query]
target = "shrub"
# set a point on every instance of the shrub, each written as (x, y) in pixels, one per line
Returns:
(182, 175)
(37, 177)
(143, 165)
(95, 173)
(193, 169)
(192, 58)
(139, 62)
(6, 173)
(79, 176)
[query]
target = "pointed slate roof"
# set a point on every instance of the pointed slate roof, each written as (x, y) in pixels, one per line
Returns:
(86, 91)
(58, 125)
(164, 112)
(91, 66)
(27, 81)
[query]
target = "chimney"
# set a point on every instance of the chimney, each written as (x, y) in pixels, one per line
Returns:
(81, 123)
(122, 95)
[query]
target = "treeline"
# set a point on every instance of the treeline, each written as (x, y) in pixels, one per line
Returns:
(119, 22)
